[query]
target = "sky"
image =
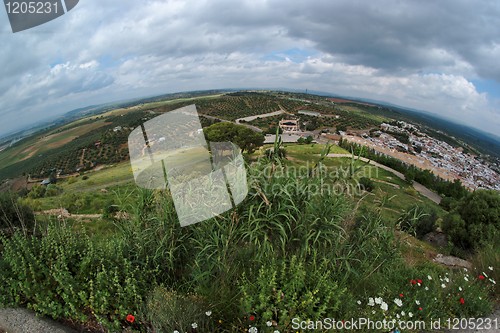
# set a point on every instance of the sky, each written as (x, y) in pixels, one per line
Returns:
(441, 56)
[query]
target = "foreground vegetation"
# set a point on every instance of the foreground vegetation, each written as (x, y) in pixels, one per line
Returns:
(290, 250)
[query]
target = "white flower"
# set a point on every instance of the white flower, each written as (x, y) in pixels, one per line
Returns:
(373, 311)
(443, 285)
(417, 302)
(398, 302)
(429, 277)
(208, 313)
(194, 325)
(480, 298)
(490, 268)
(378, 300)
(403, 313)
(384, 306)
(397, 316)
(371, 302)
(359, 302)
(426, 288)
(466, 278)
(410, 314)
(446, 279)
(269, 323)
(276, 331)
(253, 330)
(176, 331)
(460, 288)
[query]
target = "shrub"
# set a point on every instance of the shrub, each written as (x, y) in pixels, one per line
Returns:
(286, 289)
(52, 190)
(367, 184)
(169, 311)
(67, 275)
(37, 191)
(418, 220)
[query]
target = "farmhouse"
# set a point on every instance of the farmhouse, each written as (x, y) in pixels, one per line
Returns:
(289, 125)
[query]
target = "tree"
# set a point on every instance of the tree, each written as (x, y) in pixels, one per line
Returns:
(242, 136)
(479, 222)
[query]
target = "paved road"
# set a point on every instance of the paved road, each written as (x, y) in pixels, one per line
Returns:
(419, 187)
(253, 128)
(270, 114)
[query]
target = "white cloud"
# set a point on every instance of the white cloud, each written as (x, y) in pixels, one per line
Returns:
(420, 55)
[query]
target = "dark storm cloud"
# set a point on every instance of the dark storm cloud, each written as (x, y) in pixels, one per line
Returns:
(391, 35)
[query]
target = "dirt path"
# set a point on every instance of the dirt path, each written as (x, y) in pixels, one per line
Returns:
(419, 187)
(63, 213)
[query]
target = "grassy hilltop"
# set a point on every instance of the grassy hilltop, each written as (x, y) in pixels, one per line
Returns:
(317, 237)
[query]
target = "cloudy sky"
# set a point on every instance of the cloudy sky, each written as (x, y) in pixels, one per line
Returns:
(439, 56)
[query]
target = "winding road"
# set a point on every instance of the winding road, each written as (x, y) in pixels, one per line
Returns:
(419, 187)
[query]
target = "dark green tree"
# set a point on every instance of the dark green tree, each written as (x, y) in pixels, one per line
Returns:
(244, 137)
(480, 213)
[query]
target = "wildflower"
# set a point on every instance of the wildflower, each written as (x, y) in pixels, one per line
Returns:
(446, 279)
(420, 309)
(208, 313)
(419, 281)
(176, 331)
(413, 282)
(460, 288)
(252, 330)
(417, 302)
(378, 300)
(426, 288)
(403, 313)
(398, 302)
(276, 331)
(269, 323)
(443, 285)
(401, 295)
(462, 300)
(384, 306)
(480, 298)
(371, 302)
(466, 278)
(130, 318)
(359, 302)
(252, 318)
(397, 316)
(490, 268)
(194, 325)
(481, 277)
(429, 277)
(410, 314)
